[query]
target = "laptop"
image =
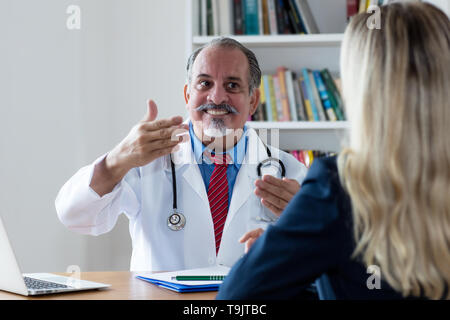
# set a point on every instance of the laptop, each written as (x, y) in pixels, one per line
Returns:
(12, 280)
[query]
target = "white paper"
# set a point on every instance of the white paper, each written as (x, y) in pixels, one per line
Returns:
(218, 270)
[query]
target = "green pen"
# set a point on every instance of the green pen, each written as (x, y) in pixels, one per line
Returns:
(199, 278)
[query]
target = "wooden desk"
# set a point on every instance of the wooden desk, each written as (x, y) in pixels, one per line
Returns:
(124, 286)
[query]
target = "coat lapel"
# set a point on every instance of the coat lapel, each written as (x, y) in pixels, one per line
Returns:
(244, 185)
(187, 167)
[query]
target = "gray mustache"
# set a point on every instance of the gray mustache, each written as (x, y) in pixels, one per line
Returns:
(226, 107)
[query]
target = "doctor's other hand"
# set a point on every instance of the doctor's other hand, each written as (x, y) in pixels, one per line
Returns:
(276, 193)
(148, 140)
(250, 237)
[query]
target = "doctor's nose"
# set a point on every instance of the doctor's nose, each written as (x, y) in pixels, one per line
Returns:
(218, 95)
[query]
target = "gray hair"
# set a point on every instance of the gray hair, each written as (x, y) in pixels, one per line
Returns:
(224, 42)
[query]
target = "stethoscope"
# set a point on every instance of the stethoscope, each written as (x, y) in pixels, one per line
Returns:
(177, 221)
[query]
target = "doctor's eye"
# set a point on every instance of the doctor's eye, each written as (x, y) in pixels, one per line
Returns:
(233, 86)
(204, 84)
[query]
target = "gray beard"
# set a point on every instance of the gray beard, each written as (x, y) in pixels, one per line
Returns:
(217, 129)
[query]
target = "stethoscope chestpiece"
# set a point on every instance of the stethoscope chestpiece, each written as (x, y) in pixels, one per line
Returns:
(176, 221)
(269, 162)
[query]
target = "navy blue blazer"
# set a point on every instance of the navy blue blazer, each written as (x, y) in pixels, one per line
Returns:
(313, 239)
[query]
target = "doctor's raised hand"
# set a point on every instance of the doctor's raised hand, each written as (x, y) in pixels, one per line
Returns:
(148, 140)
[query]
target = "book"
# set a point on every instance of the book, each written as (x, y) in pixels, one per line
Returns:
(265, 16)
(298, 16)
(293, 17)
(238, 17)
(308, 108)
(204, 16)
(285, 109)
(352, 8)
(225, 17)
(291, 95)
(316, 97)
(268, 98)
(167, 279)
(260, 17)
(251, 17)
(279, 104)
(273, 25)
(215, 17)
(334, 103)
(282, 19)
(311, 94)
(262, 102)
(323, 94)
(333, 94)
(209, 18)
(273, 101)
(362, 6)
(307, 16)
(301, 112)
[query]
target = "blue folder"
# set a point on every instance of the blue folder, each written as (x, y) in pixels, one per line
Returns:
(178, 287)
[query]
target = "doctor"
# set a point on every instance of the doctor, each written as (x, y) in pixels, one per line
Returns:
(190, 190)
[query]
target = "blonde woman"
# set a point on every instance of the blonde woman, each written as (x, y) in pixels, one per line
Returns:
(375, 221)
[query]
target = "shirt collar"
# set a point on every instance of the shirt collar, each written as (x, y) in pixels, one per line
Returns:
(237, 154)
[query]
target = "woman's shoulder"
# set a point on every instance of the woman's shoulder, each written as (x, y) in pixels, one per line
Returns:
(322, 180)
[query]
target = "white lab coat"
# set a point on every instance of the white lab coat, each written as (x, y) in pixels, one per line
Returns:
(145, 196)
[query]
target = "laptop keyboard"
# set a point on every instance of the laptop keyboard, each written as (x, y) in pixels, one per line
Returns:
(37, 284)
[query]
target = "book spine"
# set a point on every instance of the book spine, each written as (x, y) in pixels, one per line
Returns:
(204, 22)
(324, 96)
(301, 157)
(273, 100)
(352, 8)
(273, 24)
(283, 94)
(262, 101)
(209, 15)
(310, 94)
(225, 17)
(293, 16)
(268, 97)
(265, 14)
(291, 95)
(333, 101)
(329, 83)
(290, 29)
(238, 17)
(362, 6)
(316, 98)
(260, 17)
(307, 16)
(279, 104)
(301, 113)
(251, 17)
(283, 28)
(308, 108)
(215, 17)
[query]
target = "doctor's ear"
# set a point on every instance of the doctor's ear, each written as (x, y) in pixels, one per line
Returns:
(254, 100)
(186, 93)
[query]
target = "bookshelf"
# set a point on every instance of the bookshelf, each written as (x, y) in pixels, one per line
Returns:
(315, 51)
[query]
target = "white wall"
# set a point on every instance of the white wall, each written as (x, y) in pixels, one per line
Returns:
(66, 97)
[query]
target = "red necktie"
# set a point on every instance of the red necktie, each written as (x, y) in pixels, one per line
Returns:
(218, 197)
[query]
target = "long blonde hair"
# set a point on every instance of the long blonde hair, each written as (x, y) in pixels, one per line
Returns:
(396, 87)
